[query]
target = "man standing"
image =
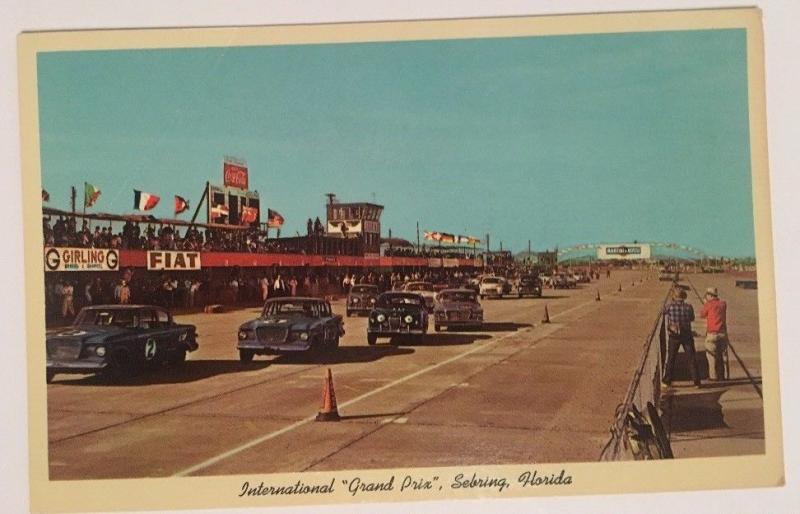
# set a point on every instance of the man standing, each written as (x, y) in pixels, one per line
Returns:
(715, 312)
(67, 306)
(679, 317)
(264, 283)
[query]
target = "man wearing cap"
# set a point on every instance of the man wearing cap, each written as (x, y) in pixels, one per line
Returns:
(715, 313)
(679, 316)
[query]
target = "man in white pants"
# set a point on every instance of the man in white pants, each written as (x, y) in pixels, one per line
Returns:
(716, 316)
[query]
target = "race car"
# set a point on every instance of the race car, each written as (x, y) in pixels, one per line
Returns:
(398, 314)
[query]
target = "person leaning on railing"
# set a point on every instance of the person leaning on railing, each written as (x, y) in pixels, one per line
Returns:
(679, 316)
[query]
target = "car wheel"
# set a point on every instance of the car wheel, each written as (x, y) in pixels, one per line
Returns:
(119, 366)
(372, 339)
(178, 358)
(246, 355)
(419, 339)
(520, 295)
(49, 376)
(333, 345)
(483, 296)
(437, 328)
(349, 313)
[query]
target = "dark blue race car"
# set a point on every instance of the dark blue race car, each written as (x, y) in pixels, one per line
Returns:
(118, 340)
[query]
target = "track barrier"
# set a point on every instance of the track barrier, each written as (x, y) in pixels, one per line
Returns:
(637, 432)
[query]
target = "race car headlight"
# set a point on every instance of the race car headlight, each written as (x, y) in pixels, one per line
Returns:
(408, 319)
(380, 318)
(356, 300)
(372, 300)
(100, 351)
(303, 336)
(243, 334)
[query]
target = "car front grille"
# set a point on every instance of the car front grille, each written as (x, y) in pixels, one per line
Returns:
(271, 334)
(63, 350)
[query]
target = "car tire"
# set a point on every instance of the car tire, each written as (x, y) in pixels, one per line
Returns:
(419, 339)
(49, 376)
(349, 313)
(520, 295)
(482, 296)
(246, 355)
(178, 358)
(119, 367)
(437, 328)
(372, 339)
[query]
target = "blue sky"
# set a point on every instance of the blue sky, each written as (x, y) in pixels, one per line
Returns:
(557, 139)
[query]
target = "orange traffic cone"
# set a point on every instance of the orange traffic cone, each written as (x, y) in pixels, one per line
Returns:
(546, 315)
(329, 411)
(597, 296)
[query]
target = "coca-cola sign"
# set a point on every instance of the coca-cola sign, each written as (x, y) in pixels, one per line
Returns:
(235, 174)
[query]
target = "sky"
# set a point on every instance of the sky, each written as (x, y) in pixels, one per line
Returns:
(559, 140)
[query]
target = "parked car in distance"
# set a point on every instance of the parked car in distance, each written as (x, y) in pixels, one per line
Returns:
(118, 340)
(361, 298)
(457, 308)
(529, 285)
(667, 275)
(492, 287)
(290, 325)
(398, 314)
(425, 289)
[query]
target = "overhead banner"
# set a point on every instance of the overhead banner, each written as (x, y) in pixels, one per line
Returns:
(173, 261)
(80, 259)
(628, 252)
(234, 173)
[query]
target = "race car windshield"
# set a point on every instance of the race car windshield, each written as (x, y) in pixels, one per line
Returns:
(457, 297)
(398, 300)
(364, 289)
(294, 309)
(491, 280)
(93, 317)
(422, 286)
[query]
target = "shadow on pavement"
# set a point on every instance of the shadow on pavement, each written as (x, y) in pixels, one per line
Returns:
(344, 354)
(367, 416)
(503, 326)
(693, 411)
(189, 371)
(440, 339)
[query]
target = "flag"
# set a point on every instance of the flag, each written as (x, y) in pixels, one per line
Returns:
(144, 201)
(462, 240)
(249, 215)
(218, 210)
(90, 194)
(45, 196)
(433, 236)
(274, 219)
(474, 240)
(448, 238)
(181, 205)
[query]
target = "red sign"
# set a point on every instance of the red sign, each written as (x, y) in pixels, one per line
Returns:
(234, 175)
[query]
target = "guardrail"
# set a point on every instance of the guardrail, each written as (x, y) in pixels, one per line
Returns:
(634, 433)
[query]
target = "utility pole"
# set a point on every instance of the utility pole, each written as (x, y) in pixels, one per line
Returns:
(417, 236)
(529, 247)
(487, 243)
(73, 194)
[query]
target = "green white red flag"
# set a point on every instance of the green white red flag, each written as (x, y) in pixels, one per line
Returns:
(90, 194)
(144, 201)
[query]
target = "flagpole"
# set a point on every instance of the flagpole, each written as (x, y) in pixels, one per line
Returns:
(204, 196)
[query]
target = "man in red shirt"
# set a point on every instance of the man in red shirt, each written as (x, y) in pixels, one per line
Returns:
(715, 313)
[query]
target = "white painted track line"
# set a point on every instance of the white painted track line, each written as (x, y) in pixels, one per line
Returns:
(266, 437)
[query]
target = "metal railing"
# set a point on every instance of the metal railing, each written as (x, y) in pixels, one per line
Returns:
(644, 388)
